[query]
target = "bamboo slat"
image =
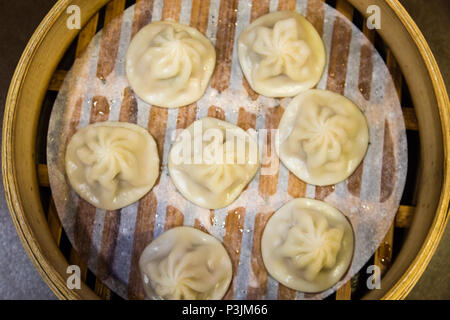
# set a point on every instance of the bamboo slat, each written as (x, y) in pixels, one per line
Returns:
(57, 80)
(383, 255)
(410, 118)
(404, 216)
(53, 221)
(344, 7)
(86, 34)
(42, 171)
(75, 259)
(344, 292)
(103, 291)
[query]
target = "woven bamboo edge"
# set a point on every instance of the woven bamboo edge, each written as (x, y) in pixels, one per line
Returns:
(412, 275)
(58, 284)
(47, 271)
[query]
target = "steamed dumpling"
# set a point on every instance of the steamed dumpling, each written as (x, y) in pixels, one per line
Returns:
(185, 264)
(169, 64)
(212, 161)
(323, 137)
(281, 54)
(307, 245)
(112, 164)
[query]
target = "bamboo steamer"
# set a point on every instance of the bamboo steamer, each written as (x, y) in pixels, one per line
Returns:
(40, 230)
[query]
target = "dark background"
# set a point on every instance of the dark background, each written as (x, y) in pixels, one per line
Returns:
(19, 18)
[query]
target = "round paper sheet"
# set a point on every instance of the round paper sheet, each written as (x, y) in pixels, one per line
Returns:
(96, 89)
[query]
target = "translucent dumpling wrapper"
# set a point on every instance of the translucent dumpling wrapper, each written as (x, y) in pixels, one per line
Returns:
(307, 245)
(112, 164)
(281, 54)
(169, 64)
(185, 264)
(212, 161)
(323, 137)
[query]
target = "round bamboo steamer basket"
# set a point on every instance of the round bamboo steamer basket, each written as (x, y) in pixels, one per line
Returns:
(22, 176)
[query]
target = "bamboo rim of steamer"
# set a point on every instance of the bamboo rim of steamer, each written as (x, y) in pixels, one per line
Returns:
(49, 43)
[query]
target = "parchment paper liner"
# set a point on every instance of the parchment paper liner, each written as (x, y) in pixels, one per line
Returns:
(96, 89)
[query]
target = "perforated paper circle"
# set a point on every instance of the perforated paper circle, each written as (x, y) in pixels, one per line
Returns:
(96, 89)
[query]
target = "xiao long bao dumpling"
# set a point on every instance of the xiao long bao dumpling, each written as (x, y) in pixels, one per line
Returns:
(323, 137)
(112, 164)
(281, 54)
(169, 64)
(212, 161)
(307, 245)
(185, 264)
